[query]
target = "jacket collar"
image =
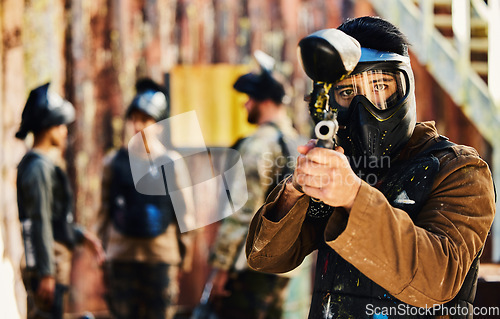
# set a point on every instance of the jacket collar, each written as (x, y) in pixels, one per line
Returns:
(419, 141)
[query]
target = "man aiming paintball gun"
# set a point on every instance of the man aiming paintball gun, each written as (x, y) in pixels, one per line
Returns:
(398, 213)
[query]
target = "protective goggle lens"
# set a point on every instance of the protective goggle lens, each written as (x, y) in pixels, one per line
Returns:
(382, 88)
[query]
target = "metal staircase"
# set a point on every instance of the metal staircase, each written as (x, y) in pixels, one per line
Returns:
(478, 25)
(459, 43)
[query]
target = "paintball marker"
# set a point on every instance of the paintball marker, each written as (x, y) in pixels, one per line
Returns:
(327, 56)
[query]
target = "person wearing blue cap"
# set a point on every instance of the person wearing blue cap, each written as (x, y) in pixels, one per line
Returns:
(397, 213)
(145, 249)
(45, 202)
(268, 156)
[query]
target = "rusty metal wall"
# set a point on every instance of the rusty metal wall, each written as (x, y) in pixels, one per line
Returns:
(93, 51)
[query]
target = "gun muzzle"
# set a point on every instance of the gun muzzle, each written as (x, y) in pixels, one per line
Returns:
(325, 132)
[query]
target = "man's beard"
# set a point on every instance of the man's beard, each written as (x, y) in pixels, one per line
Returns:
(59, 142)
(254, 115)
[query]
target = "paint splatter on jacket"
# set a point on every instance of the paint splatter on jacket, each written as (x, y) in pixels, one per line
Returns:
(422, 262)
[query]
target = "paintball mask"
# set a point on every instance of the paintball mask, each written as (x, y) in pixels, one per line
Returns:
(262, 85)
(151, 98)
(376, 106)
(44, 109)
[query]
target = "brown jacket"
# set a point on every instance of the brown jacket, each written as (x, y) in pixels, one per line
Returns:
(421, 263)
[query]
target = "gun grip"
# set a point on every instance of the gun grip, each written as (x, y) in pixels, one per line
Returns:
(325, 144)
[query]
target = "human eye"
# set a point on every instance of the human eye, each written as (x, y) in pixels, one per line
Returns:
(379, 87)
(346, 93)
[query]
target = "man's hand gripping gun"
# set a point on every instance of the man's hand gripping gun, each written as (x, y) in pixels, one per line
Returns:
(327, 57)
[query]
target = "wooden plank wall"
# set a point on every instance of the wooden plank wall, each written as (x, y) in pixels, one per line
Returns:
(93, 51)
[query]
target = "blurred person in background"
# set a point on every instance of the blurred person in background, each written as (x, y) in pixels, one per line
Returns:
(144, 246)
(268, 155)
(45, 202)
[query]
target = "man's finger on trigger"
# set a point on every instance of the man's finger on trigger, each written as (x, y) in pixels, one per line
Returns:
(304, 149)
(323, 156)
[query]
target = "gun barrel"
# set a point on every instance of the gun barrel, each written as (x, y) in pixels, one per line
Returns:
(325, 132)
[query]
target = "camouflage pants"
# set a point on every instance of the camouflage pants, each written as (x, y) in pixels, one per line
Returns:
(254, 295)
(141, 290)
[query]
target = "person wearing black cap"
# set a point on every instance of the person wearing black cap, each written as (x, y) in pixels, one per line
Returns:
(45, 204)
(144, 246)
(267, 154)
(398, 214)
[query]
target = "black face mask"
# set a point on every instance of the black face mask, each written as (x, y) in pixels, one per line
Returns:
(372, 137)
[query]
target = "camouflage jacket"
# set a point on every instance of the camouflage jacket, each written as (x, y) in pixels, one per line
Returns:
(262, 159)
